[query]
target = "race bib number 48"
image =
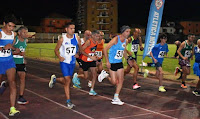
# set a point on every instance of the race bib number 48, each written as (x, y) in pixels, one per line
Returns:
(119, 54)
(134, 48)
(70, 50)
(187, 53)
(5, 53)
(161, 54)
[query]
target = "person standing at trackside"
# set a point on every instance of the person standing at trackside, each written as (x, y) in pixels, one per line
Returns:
(7, 64)
(196, 67)
(132, 48)
(68, 45)
(114, 63)
(21, 43)
(158, 52)
(185, 52)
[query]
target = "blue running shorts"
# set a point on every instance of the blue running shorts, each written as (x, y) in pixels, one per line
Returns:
(5, 65)
(67, 69)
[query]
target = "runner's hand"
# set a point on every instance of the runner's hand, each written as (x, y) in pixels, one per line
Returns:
(108, 65)
(17, 50)
(155, 60)
(94, 58)
(61, 59)
(185, 58)
(8, 46)
(141, 48)
(77, 55)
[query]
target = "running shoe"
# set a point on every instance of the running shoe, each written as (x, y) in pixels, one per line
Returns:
(196, 92)
(117, 102)
(2, 87)
(102, 75)
(70, 105)
(13, 111)
(52, 82)
(90, 84)
(92, 93)
(162, 89)
(176, 71)
(136, 86)
(22, 101)
(76, 86)
(75, 79)
(146, 72)
(183, 86)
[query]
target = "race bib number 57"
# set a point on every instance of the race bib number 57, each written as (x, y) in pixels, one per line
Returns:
(70, 50)
(119, 54)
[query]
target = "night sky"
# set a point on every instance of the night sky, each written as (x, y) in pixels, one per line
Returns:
(130, 11)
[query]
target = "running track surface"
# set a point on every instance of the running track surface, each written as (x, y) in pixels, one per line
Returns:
(144, 103)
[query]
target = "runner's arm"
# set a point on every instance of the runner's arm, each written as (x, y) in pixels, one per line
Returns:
(179, 50)
(140, 43)
(58, 45)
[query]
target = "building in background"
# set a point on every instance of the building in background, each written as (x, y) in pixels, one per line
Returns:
(191, 27)
(98, 14)
(54, 23)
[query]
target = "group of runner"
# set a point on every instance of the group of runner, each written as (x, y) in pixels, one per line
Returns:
(89, 52)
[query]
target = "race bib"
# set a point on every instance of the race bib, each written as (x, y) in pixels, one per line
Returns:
(5, 53)
(119, 54)
(70, 50)
(89, 59)
(134, 47)
(161, 54)
(98, 53)
(187, 53)
(197, 50)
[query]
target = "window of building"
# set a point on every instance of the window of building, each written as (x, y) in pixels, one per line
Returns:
(111, 20)
(104, 6)
(197, 24)
(50, 22)
(189, 31)
(93, 19)
(189, 24)
(92, 26)
(92, 12)
(197, 31)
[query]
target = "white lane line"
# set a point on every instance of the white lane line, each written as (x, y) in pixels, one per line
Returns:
(4, 115)
(59, 104)
(124, 103)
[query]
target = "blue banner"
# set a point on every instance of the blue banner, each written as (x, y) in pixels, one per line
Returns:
(153, 26)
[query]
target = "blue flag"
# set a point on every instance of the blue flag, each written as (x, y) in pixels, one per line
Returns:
(153, 26)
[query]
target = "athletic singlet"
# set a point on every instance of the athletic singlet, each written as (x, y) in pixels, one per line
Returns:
(68, 49)
(6, 55)
(197, 54)
(22, 46)
(186, 51)
(90, 50)
(116, 51)
(99, 51)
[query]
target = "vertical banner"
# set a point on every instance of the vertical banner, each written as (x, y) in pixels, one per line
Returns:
(153, 26)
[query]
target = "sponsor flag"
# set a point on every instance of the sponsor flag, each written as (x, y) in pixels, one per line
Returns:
(153, 26)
